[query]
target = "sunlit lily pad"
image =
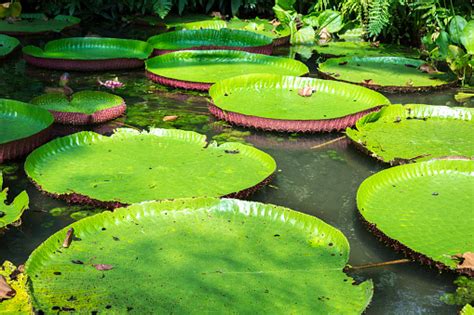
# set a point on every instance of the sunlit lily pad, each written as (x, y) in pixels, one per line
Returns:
(89, 54)
(389, 74)
(340, 49)
(24, 127)
(7, 45)
(423, 209)
(198, 70)
(130, 167)
(206, 39)
(415, 132)
(34, 24)
(11, 213)
(274, 102)
(467, 310)
(201, 255)
(16, 280)
(85, 107)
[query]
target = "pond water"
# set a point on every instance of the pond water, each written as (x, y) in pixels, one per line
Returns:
(319, 181)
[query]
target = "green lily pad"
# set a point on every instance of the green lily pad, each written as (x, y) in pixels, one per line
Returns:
(339, 49)
(131, 167)
(9, 214)
(415, 132)
(276, 98)
(214, 24)
(19, 304)
(210, 66)
(201, 255)
(208, 38)
(7, 45)
(385, 73)
(82, 107)
(33, 24)
(423, 209)
(177, 21)
(91, 48)
(467, 310)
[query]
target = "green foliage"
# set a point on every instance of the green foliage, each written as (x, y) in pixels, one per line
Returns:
(464, 292)
(378, 16)
(10, 9)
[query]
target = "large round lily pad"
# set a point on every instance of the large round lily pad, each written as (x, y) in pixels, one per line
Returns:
(198, 70)
(11, 213)
(198, 256)
(23, 128)
(206, 39)
(273, 102)
(81, 108)
(423, 209)
(89, 54)
(415, 132)
(130, 167)
(351, 48)
(7, 45)
(389, 74)
(35, 24)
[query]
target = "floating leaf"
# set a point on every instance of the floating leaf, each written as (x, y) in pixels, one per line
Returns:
(37, 24)
(7, 45)
(11, 213)
(13, 290)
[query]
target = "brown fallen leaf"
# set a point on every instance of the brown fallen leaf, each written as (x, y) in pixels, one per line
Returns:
(466, 260)
(68, 239)
(275, 22)
(427, 68)
(306, 91)
(324, 34)
(170, 118)
(6, 291)
(375, 44)
(103, 267)
(368, 81)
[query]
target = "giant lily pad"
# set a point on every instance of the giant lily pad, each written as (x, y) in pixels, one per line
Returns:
(24, 127)
(201, 255)
(16, 280)
(10, 214)
(86, 107)
(210, 39)
(339, 49)
(198, 70)
(89, 54)
(7, 45)
(130, 167)
(34, 24)
(273, 102)
(389, 74)
(423, 209)
(400, 134)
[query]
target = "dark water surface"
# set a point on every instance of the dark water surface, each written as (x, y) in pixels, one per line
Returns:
(318, 181)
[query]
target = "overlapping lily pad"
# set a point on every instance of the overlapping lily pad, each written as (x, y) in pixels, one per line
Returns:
(201, 255)
(206, 39)
(24, 127)
(82, 108)
(89, 54)
(415, 132)
(130, 167)
(424, 210)
(389, 74)
(35, 24)
(351, 48)
(7, 45)
(11, 213)
(18, 301)
(273, 102)
(198, 70)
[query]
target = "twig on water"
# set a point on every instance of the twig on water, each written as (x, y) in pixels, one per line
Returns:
(328, 142)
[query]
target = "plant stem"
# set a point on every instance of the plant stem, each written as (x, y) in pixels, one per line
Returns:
(327, 143)
(380, 264)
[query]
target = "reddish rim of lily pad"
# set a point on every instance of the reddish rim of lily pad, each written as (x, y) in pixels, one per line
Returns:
(18, 148)
(84, 65)
(82, 199)
(284, 125)
(187, 85)
(73, 118)
(264, 50)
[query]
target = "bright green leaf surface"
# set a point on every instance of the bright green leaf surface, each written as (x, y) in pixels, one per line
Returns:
(131, 166)
(467, 37)
(37, 23)
(384, 71)
(20, 120)
(86, 102)
(91, 48)
(20, 303)
(416, 131)
(425, 206)
(364, 49)
(11, 213)
(331, 21)
(209, 66)
(276, 97)
(467, 310)
(198, 256)
(207, 37)
(456, 26)
(7, 44)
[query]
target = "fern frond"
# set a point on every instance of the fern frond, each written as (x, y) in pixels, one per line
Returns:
(378, 16)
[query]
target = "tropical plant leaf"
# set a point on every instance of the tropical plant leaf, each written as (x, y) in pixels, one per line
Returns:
(331, 21)
(467, 37)
(37, 23)
(162, 7)
(304, 36)
(415, 132)
(19, 304)
(9, 214)
(456, 26)
(7, 45)
(132, 166)
(405, 204)
(467, 310)
(198, 255)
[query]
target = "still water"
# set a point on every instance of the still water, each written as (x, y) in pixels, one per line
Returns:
(320, 181)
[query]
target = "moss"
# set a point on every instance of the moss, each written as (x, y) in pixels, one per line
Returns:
(464, 292)
(231, 136)
(333, 155)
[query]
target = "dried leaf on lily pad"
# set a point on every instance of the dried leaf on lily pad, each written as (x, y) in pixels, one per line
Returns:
(427, 68)
(466, 260)
(170, 118)
(13, 296)
(103, 267)
(368, 81)
(9, 214)
(306, 91)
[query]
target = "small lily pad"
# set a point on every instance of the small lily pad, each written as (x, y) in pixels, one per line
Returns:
(35, 24)
(11, 213)
(7, 45)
